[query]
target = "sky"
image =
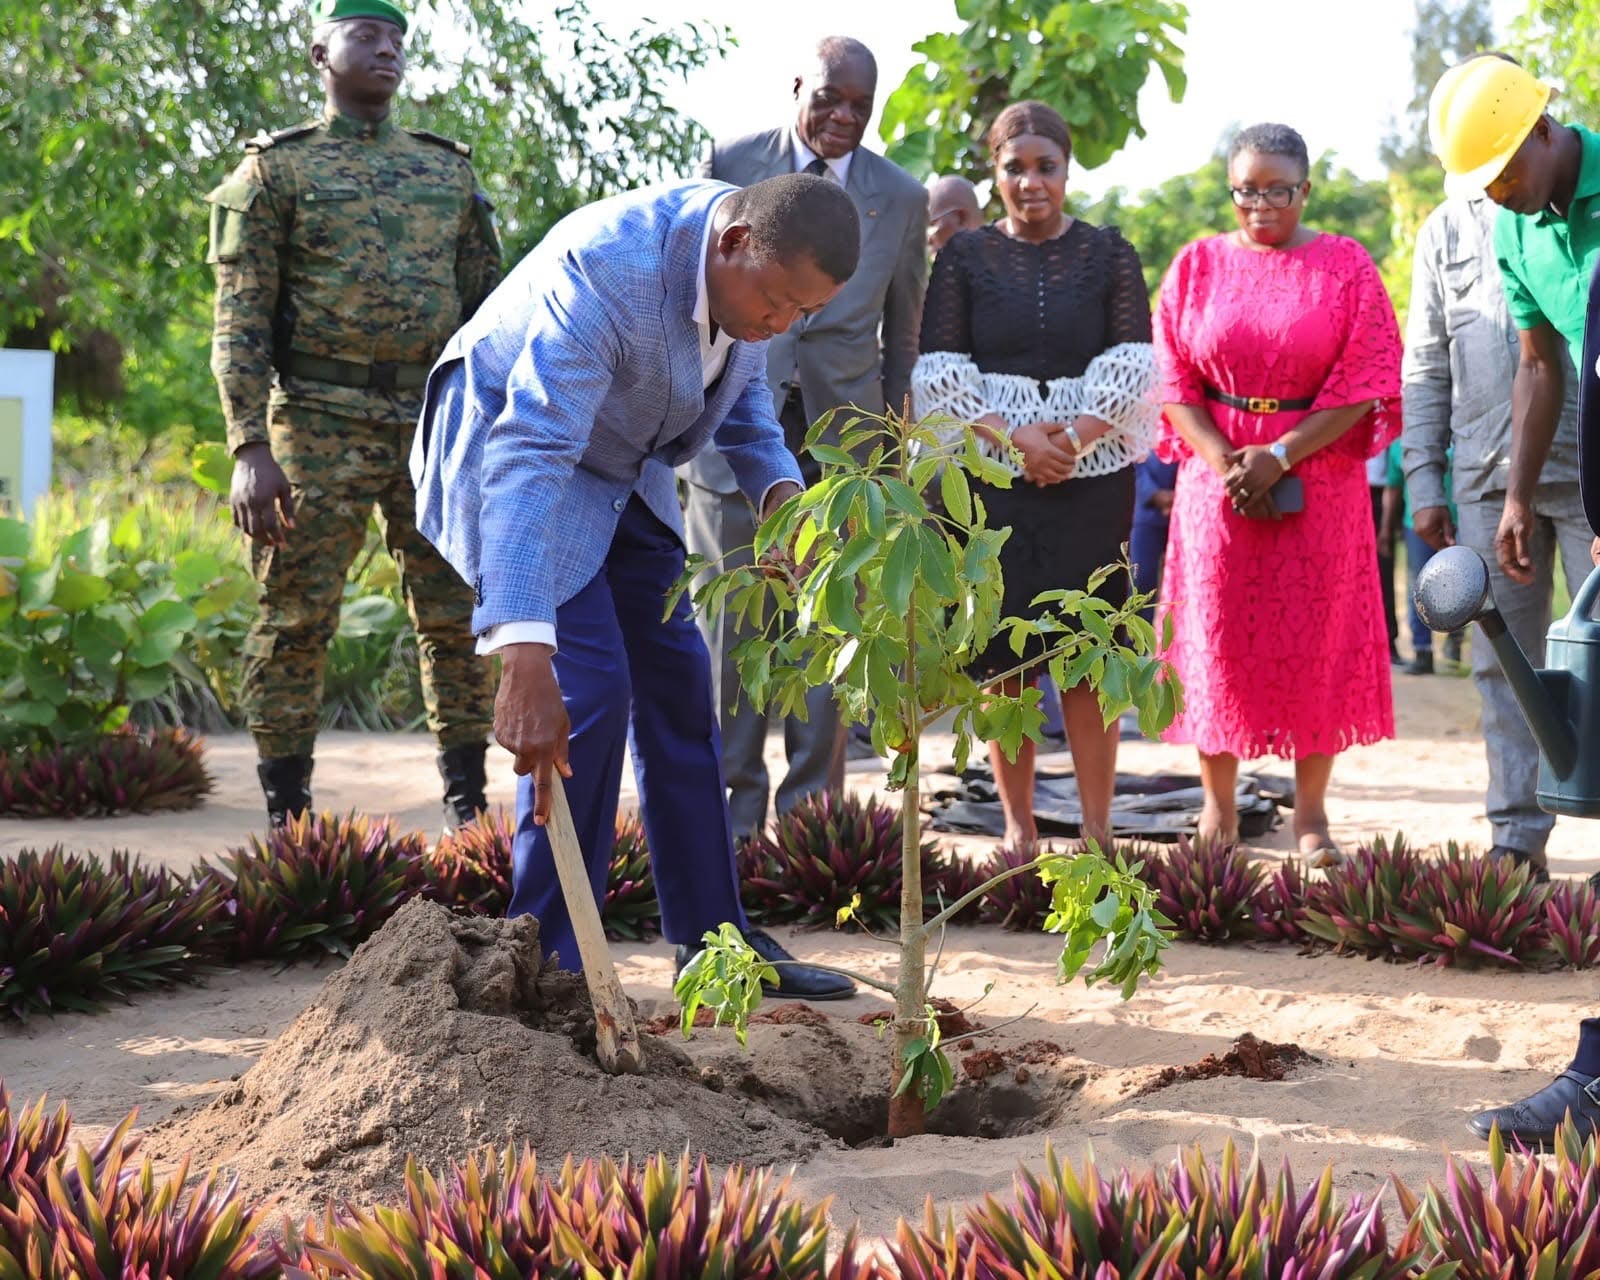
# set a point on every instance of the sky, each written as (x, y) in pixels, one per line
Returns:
(1338, 72)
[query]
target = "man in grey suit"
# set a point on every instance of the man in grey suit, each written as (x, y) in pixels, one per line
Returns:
(1461, 358)
(857, 351)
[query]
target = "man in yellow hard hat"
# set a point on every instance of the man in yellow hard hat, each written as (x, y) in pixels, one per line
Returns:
(1489, 125)
(1490, 128)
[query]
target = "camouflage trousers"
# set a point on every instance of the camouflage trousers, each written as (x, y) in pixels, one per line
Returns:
(339, 469)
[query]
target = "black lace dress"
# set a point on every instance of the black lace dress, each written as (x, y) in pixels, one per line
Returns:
(1043, 311)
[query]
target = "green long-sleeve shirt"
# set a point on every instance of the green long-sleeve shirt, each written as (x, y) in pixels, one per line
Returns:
(346, 241)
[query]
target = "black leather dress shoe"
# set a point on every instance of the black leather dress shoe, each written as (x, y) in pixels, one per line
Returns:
(1541, 873)
(1533, 1121)
(795, 981)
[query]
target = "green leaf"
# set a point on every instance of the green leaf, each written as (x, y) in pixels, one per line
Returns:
(830, 454)
(44, 681)
(937, 563)
(877, 516)
(156, 650)
(840, 599)
(167, 617)
(128, 536)
(367, 616)
(955, 493)
(89, 549)
(27, 711)
(148, 682)
(900, 570)
(194, 571)
(212, 467)
(14, 542)
(76, 591)
(856, 553)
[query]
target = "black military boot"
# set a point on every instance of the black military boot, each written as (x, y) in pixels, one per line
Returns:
(286, 780)
(464, 782)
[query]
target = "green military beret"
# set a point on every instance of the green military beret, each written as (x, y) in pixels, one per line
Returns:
(339, 10)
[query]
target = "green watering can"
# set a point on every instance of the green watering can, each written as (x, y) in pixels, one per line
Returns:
(1560, 701)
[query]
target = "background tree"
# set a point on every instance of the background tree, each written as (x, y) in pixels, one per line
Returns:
(119, 118)
(1088, 61)
(1557, 39)
(1442, 34)
(1160, 221)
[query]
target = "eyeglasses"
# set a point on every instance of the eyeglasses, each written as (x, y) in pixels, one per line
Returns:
(1275, 197)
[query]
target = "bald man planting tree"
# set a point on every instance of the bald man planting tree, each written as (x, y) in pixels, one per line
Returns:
(632, 337)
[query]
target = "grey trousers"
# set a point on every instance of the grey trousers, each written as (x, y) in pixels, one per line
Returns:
(715, 524)
(1515, 818)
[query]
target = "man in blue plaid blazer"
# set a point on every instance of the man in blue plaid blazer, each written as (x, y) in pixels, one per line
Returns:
(633, 336)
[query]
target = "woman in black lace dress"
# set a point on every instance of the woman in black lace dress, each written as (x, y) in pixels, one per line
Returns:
(1037, 328)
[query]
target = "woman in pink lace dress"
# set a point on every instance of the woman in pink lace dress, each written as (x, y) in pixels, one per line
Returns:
(1279, 358)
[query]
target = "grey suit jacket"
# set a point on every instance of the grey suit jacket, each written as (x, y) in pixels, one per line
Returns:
(839, 351)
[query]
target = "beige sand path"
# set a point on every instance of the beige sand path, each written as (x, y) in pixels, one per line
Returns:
(1406, 1053)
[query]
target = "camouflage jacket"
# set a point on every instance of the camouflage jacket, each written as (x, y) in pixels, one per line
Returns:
(342, 241)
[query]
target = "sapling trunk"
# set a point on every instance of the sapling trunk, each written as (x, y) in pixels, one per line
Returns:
(906, 1112)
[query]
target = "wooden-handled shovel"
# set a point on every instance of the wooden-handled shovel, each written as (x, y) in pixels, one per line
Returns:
(616, 1038)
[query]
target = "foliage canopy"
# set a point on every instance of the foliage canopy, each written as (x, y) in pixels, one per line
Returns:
(1089, 61)
(119, 118)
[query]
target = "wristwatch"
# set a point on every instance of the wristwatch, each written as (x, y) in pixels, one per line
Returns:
(1280, 451)
(1075, 438)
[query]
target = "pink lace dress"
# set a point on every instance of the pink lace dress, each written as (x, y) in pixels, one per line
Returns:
(1278, 631)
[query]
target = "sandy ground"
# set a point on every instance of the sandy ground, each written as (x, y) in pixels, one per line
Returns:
(1406, 1054)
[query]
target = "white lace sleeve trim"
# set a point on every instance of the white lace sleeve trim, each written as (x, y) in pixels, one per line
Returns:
(1118, 387)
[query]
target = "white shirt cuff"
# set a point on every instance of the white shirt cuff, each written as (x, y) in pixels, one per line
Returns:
(517, 633)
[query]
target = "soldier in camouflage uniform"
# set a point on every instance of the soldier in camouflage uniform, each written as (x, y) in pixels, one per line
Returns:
(347, 251)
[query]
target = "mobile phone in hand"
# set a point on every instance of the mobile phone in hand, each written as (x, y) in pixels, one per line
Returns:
(1289, 496)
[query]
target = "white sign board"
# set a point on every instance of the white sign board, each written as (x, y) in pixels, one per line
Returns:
(27, 387)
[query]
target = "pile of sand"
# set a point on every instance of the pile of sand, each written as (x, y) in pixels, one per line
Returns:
(442, 1034)
(447, 1032)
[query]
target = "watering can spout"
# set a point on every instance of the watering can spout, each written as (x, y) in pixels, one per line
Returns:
(1453, 590)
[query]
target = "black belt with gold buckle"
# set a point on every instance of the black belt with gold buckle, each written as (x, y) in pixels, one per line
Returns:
(1258, 404)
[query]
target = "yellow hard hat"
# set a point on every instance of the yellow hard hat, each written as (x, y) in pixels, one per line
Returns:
(1479, 113)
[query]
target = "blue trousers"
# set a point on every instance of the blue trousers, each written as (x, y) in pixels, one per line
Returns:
(1147, 548)
(630, 679)
(1418, 553)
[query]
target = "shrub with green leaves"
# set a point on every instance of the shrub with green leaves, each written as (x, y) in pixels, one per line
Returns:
(1194, 1218)
(1020, 902)
(122, 772)
(1208, 889)
(1352, 906)
(1278, 912)
(190, 530)
(631, 910)
(1465, 910)
(86, 631)
(319, 885)
(75, 932)
(97, 1216)
(1533, 1218)
(830, 850)
(372, 681)
(471, 869)
(861, 583)
(1571, 927)
(498, 1215)
(29, 1142)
